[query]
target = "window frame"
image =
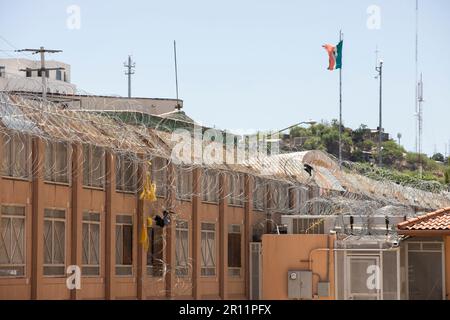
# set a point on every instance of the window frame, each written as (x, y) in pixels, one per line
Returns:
(235, 229)
(53, 220)
(209, 254)
(236, 189)
(154, 268)
(122, 265)
(159, 176)
(51, 174)
(184, 178)
(261, 188)
(10, 152)
(181, 228)
(210, 186)
(121, 160)
(89, 151)
(24, 238)
(89, 223)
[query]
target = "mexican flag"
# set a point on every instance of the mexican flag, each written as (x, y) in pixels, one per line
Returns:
(334, 55)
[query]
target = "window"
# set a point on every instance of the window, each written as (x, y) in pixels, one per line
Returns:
(126, 170)
(57, 162)
(28, 73)
(58, 75)
(259, 194)
(155, 251)
(234, 250)
(236, 189)
(12, 241)
(308, 226)
(91, 244)
(124, 245)
(182, 248)
(54, 242)
(93, 166)
(184, 183)
(301, 193)
(210, 186)
(65, 77)
(40, 73)
(279, 196)
(2, 72)
(15, 155)
(208, 249)
(159, 176)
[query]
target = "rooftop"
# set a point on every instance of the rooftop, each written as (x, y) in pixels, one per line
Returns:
(434, 221)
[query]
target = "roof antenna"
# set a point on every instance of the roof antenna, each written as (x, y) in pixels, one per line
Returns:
(178, 106)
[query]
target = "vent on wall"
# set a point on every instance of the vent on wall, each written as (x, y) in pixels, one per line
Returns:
(255, 270)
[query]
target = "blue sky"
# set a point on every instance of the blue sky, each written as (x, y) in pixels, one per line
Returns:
(253, 64)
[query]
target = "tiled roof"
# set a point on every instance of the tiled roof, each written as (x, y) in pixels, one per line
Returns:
(434, 221)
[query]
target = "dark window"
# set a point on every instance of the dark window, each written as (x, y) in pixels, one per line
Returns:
(40, 73)
(58, 75)
(234, 250)
(124, 245)
(28, 73)
(155, 252)
(2, 72)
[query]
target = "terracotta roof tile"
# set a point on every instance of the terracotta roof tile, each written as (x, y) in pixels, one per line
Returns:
(437, 220)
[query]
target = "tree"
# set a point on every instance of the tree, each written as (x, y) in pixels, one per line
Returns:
(438, 157)
(391, 152)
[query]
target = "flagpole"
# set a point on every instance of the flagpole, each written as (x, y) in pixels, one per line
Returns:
(340, 109)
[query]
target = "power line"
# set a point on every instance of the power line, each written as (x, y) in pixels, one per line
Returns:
(43, 70)
(130, 66)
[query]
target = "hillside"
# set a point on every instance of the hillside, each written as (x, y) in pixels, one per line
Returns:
(360, 147)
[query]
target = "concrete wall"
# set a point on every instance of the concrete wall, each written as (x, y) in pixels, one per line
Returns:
(281, 253)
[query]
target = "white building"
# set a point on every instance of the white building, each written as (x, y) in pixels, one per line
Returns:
(13, 76)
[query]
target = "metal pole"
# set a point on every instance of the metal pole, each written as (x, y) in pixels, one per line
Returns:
(176, 72)
(420, 117)
(417, 78)
(380, 70)
(43, 71)
(340, 110)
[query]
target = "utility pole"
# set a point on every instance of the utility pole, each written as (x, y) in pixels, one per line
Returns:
(130, 66)
(380, 125)
(43, 70)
